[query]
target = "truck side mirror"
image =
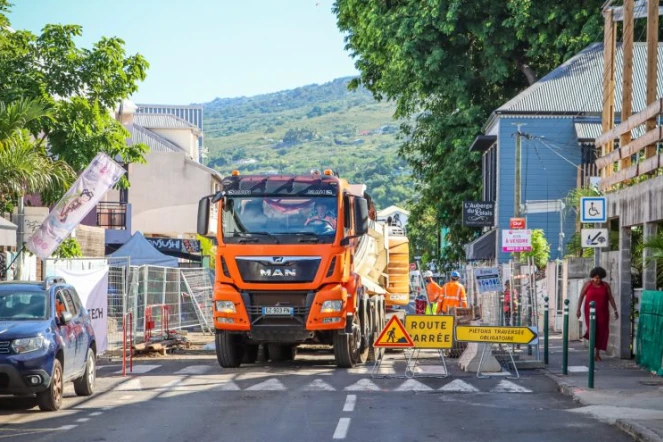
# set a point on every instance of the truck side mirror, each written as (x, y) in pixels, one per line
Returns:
(203, 216)
(361, 216)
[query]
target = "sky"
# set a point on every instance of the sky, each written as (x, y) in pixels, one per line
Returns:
(199, 50)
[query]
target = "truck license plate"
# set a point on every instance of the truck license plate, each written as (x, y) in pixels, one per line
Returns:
(282, 311)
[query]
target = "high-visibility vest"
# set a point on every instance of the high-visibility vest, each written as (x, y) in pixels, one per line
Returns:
(458, 299)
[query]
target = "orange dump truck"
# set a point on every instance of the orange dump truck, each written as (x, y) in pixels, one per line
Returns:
(301, 259)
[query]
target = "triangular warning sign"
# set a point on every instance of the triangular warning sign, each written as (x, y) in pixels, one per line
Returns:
(394, 335)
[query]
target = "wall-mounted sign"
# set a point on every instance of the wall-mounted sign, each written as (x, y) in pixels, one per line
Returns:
(478, 213)
(517, 223)
(175, 245)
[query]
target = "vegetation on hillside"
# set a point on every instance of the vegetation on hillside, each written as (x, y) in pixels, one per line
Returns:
(315, 126)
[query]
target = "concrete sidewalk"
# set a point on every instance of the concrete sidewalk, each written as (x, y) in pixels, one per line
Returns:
(624, 394)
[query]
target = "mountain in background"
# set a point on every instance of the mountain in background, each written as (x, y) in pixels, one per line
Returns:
(311, 127)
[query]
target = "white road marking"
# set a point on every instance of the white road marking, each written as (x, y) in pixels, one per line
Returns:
(268, 385)
(459, 386)
(130, 385)
(431, 369)
(194, 370)
(319, 385)
(362, 385)
(67, 427)
(578, 369)
(96, 413)
(140, 369)
(127, 397)
(509, 387)
(83, 419)
(107, 408)
(169, 385)
(102, 367)
(413, 385)
(342, 428)
(227, 386)
(350, 403)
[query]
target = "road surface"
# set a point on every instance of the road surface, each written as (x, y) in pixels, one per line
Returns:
(192, 399)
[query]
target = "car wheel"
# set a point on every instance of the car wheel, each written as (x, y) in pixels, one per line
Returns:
(84, 386)
(51, 398)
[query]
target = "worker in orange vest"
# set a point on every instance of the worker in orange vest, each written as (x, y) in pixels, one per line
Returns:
(433, 291)
(452, 294)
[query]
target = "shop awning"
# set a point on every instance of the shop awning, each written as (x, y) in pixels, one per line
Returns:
(483, 248)
(7, 233)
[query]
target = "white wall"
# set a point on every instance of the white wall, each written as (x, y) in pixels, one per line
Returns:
(184, 138)
(164, 194)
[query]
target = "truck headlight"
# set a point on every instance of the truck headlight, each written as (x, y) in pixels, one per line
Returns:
(26, 345)
(331, 306)
(225, 307)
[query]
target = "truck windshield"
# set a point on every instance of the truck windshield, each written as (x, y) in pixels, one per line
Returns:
(23, 305)
(287, 220)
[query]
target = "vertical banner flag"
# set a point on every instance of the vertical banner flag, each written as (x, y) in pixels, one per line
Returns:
(102, 174)
(92, 289)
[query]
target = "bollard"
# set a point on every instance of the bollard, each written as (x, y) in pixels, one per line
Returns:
(565, 339)
(592, 342)
(545, 331)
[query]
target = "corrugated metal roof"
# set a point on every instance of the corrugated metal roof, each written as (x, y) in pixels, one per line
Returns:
(154, 141)
(163, 121)
(591, 131)
(577, 85)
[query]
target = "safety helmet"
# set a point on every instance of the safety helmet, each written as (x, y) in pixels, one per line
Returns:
(455, 274)
(428, 274)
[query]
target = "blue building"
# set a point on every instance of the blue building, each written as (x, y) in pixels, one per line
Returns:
(558, 118)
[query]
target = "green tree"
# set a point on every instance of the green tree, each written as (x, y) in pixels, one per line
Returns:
(540, 250)
(69, 248)
(449, 63)
(81, 85)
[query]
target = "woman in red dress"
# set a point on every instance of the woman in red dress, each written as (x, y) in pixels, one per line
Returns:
(598, 291)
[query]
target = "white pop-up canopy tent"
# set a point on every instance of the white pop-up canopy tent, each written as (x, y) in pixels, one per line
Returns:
(141, 252)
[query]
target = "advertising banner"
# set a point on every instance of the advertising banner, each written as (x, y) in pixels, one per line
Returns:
(102, 174)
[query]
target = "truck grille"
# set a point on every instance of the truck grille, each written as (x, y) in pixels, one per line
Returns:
(4, 347)
(298, 300)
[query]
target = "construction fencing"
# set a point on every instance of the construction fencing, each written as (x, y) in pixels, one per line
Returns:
(158, 297)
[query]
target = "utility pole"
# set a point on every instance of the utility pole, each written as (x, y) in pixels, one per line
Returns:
(652, 65)
(627, 80)
(518, 173)
(20, 237)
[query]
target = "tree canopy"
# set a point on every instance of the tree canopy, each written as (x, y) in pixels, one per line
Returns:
(81, 85)
(450, 63)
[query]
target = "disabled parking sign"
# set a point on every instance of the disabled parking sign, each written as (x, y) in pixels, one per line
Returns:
(593, 209)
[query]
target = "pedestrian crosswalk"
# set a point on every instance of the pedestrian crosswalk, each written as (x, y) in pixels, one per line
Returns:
(212, 378)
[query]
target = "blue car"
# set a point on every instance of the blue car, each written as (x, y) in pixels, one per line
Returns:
(46, 339)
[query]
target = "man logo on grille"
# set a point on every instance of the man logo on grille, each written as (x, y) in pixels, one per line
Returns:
(277, 259)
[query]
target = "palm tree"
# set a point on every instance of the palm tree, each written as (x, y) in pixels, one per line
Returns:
(25, 166)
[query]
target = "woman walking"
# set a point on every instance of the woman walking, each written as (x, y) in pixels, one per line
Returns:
(598, 291)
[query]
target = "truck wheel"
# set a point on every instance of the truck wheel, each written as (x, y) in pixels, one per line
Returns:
(250, 354)
(229, 349)
(84, 386)
(51, 398)
(347, 347)
(279, 352)
(376, 327)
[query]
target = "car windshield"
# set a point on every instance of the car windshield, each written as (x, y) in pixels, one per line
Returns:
(23, 305)
(289, 220)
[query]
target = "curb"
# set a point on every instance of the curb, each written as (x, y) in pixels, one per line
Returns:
(634, 429)
(638, 431)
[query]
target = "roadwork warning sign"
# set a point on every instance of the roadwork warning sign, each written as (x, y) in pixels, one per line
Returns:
(430, 331)
(497, 335)
(394, 335)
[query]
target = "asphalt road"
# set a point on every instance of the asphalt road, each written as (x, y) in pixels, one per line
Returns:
(193, 399)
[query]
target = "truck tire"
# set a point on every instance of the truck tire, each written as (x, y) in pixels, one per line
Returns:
(376, 327)
(279, 352)
(347, 347)
(250, 353)
(229, 349)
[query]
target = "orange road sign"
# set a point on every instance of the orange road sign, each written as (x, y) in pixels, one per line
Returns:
(394, 335)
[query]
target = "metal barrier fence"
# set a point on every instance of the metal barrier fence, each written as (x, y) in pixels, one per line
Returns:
(186, 292)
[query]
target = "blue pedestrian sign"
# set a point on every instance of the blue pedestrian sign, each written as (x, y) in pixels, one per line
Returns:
(593, 209)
